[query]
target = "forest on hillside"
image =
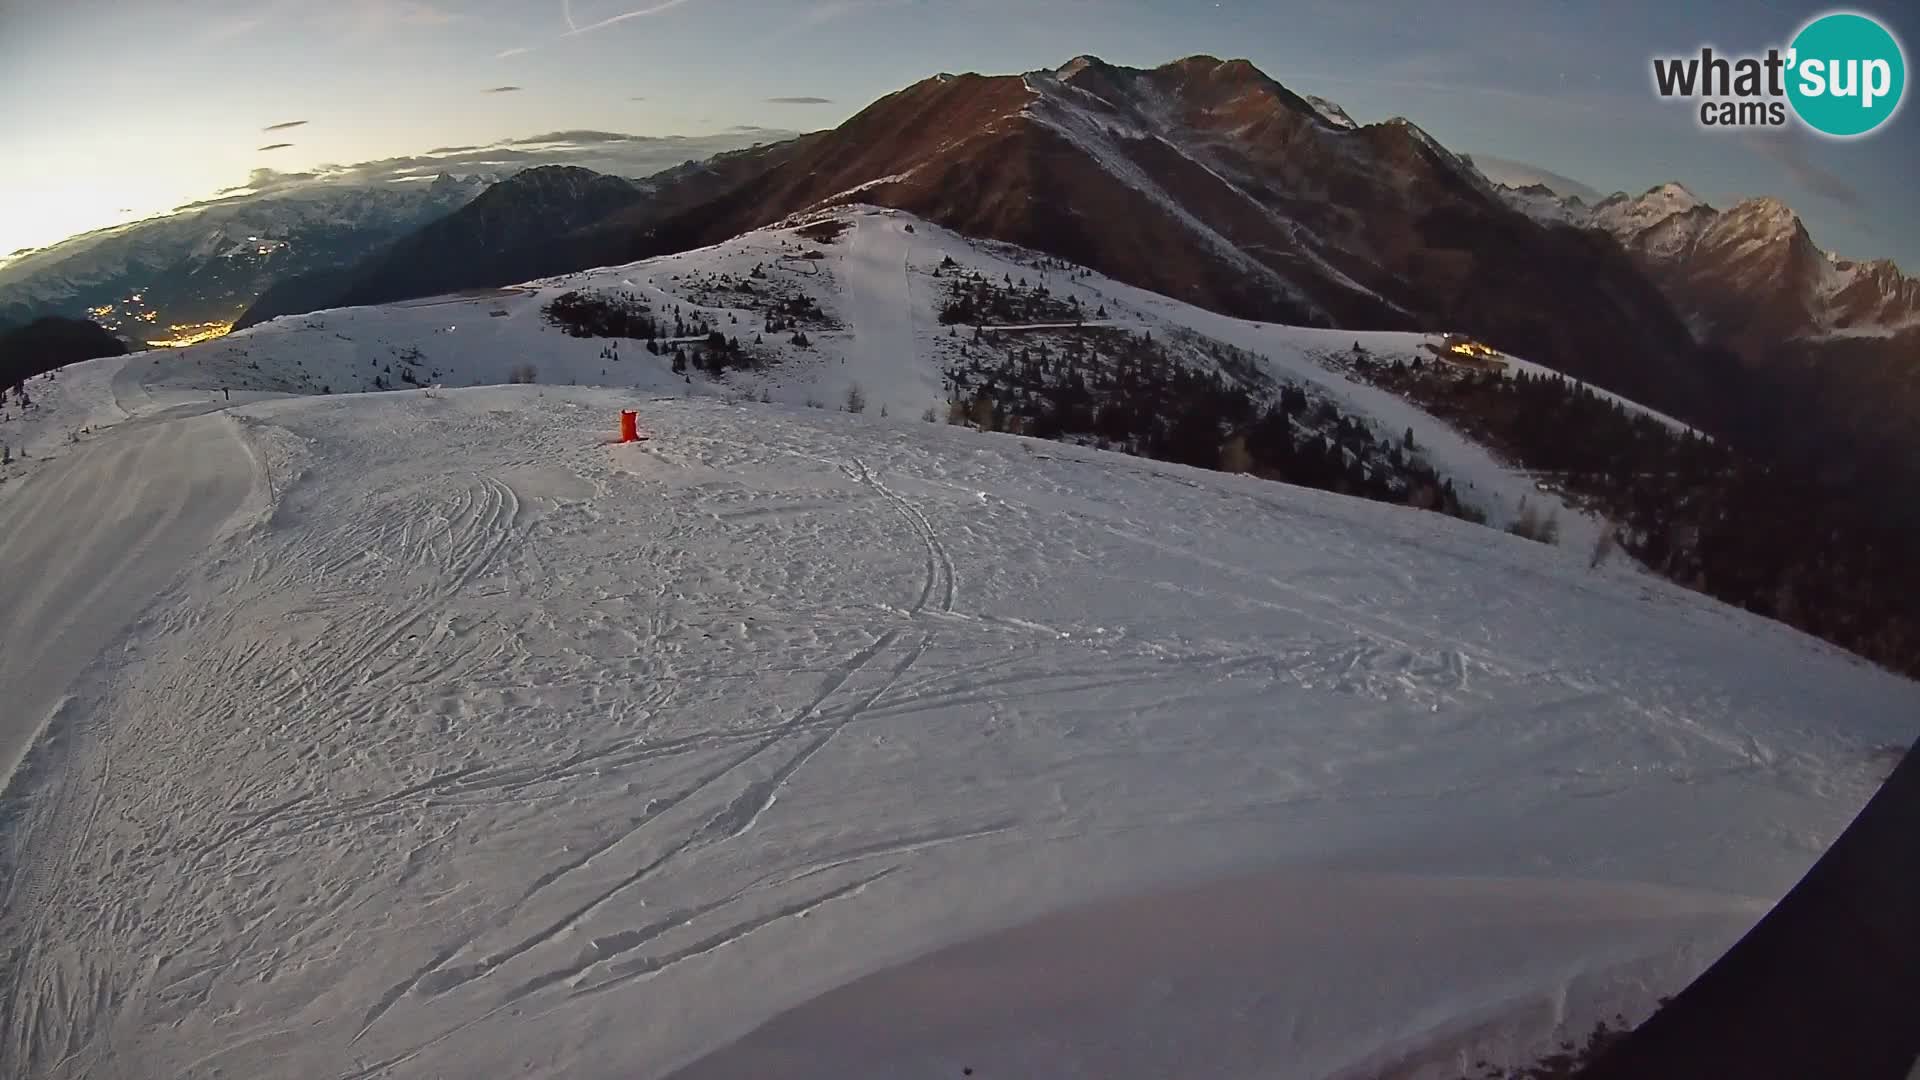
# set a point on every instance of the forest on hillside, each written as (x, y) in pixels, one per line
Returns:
(49, 344)
(1184, 399)
(1826, 551)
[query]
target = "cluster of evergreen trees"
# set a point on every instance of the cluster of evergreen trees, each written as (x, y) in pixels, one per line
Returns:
(825, 232)
(973, 299)
(603, 314)
(793, 313)
(411, 359)
(778, 306)
(713, 355)
(1131, 392)
(694, 345)
(1825, 548)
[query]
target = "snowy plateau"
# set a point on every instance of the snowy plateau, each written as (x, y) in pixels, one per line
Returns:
(430, 733)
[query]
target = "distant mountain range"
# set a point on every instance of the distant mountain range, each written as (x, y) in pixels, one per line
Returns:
(458, 248)
(208, 265)
(546, 220)
(193, 272)
(1749, 275)
(1821, 337)
(1518, 174)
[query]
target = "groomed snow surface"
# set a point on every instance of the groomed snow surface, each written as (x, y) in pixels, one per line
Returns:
(429, 734)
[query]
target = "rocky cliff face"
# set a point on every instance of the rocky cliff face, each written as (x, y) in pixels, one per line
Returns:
(1837, 341)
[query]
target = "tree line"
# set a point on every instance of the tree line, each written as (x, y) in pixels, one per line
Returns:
(1823, 545)
(1130, 392)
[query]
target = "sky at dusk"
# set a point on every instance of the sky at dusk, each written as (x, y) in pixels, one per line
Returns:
(115, 110)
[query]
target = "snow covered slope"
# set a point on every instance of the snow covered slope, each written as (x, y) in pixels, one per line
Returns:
(468, 743)
(878, 287)
(406, 734)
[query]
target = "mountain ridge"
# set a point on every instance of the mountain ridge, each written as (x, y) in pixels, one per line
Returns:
(205, 266)
(1202, 179)
(1816, 336)
(1208, 181)
(1668, 227)
(534, 232)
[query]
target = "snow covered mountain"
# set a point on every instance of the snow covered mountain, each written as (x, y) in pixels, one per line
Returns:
(1751, 272)
(545, 220)
(1830, 341)
(463, 247)
(1201, 179)
(1749, 275)
(1210, 181)
(206, 265)
(1331, 112)
(1509, 173)
(410, 734)
(1545, 205)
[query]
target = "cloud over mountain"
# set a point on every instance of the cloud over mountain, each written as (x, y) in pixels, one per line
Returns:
(611, 152)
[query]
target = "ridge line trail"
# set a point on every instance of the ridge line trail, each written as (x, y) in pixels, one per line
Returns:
(87, 545)
(153, 494)
(875, 267)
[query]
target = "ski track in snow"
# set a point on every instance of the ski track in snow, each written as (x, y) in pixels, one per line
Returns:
(421, 735)
(488, 727)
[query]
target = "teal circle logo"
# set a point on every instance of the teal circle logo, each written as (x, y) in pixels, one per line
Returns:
(1848, 74)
